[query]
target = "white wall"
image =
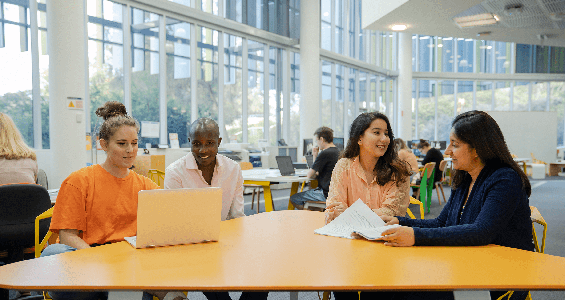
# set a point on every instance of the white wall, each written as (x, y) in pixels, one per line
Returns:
(529, 132)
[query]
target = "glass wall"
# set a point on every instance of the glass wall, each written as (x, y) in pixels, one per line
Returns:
(20, 92)
(256, 91)
(294, 105)
(105, 56)
(179, 86)
(233, 89)
(145, 70)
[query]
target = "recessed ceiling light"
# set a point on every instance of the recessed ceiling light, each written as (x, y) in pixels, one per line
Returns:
(398, 27)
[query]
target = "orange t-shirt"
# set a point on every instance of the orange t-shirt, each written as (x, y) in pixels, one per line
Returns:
(99, 204)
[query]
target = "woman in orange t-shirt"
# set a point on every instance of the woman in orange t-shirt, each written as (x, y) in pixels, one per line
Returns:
(98, 204)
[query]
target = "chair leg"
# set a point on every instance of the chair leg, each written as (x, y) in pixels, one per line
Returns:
(252, 198)
(442, 193)
(437, 190)
(258, 198)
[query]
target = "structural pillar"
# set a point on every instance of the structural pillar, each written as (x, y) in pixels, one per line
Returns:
(404, 112)
(67, 55)
(309, 70)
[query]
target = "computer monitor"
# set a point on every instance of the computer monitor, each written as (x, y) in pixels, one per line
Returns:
(339, 143)
(307, 147)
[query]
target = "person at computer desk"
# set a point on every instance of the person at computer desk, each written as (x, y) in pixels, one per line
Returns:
(369, 170)
(431, 155)
(204, 167)
(325, 156)
(97, 205)
(18, 162)
(406, 154)
(489, 200)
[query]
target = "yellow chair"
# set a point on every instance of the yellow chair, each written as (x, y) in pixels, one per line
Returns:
(414, 201)
(157, 176)
(245, 165)
(49, 237)
(536, 217)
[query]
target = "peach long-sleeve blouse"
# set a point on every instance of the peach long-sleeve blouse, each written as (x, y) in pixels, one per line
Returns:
(349, 184)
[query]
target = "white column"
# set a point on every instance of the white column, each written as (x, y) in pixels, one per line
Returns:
(404, 111)
(65, 42)
(309, 69)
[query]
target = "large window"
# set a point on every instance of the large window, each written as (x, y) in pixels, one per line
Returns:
(23, 97)
(256, 91)
(145, 70)
(233, 89)
(326, 103)
(178, 48)
(105, 56)
(207, 69)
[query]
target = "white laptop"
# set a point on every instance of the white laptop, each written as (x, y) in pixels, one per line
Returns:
(179, 216)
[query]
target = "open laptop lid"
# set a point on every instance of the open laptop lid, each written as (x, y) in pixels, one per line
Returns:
(179, 216)
(285, 165)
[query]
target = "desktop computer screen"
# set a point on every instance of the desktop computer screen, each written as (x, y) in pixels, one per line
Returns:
(339, 143)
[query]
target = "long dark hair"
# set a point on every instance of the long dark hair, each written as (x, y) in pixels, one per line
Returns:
(389, 166)
(481, 132)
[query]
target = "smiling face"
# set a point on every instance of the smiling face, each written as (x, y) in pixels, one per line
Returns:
(205, 142)
(463, 157)
(121, 149)
(375, 140)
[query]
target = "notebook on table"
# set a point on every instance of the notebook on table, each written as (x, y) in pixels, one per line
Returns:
(285, 166)
(179, 216)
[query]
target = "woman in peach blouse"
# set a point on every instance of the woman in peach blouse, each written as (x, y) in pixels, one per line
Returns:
(369, 170)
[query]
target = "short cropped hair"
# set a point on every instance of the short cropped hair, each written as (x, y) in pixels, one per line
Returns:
(326, 133)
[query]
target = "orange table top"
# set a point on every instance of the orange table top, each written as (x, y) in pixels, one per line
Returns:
(279, 251)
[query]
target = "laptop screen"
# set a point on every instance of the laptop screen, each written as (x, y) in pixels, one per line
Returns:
(285, 165)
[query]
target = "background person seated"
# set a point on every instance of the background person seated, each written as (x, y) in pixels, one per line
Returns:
(325, 156)
(18, 163)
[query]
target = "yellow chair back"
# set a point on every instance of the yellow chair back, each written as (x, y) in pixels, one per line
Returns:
(157, 176)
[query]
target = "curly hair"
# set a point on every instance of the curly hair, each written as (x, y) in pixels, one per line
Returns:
(115, 115)
(389, 166)
(481, 132)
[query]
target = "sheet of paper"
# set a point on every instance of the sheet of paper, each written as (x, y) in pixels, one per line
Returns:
(374, 233)
(356, 217)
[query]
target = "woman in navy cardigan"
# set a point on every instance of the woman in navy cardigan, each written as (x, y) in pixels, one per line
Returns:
(489, 200)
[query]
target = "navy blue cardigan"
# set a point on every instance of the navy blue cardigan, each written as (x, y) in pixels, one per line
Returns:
(497, 212)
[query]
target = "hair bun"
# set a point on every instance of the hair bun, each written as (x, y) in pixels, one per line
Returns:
(111, 109)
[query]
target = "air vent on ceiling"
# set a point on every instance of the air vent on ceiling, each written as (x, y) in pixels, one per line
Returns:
(513, 9)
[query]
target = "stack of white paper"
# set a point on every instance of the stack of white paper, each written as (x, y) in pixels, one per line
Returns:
(358, 218)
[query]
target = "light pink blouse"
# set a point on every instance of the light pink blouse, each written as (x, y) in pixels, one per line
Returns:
(349, 184)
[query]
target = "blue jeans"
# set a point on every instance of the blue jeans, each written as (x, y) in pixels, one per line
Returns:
(64, 295)
(316, 194)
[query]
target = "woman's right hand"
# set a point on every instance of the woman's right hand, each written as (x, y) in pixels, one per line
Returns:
(334, 209)
(390, 220)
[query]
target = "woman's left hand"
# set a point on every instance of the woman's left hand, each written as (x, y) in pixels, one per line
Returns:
(399, 237)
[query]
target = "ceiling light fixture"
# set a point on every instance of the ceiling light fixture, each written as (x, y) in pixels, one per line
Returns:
(398, 27)
(476, 20)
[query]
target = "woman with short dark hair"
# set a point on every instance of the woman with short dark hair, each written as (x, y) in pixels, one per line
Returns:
(488, 205)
